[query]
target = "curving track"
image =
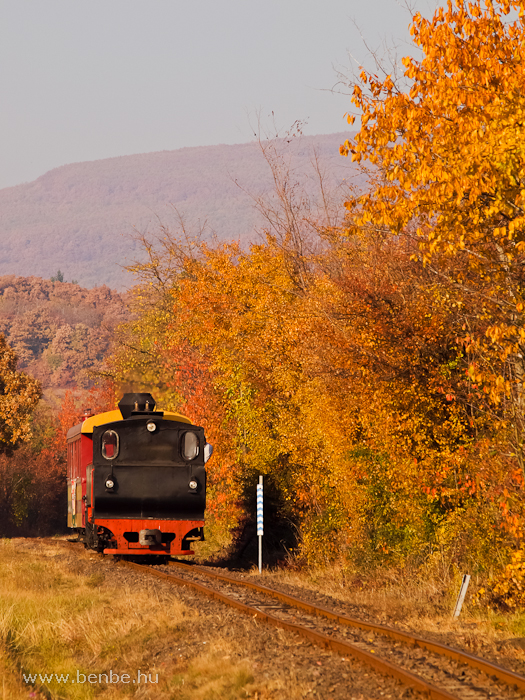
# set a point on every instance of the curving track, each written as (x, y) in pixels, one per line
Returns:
(438, 671)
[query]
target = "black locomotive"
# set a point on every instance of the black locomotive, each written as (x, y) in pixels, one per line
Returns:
(137, 480)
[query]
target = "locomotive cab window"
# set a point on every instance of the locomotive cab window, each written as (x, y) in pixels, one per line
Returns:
(190, 445)
(110, 444)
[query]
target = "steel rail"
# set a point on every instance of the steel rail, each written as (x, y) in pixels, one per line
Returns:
(487, 667)
(344, 648)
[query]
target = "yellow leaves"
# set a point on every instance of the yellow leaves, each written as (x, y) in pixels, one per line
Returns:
(416, 22)
(20, 395)
(495, 333)
(455, 175)
(388, 83)
(509, 586)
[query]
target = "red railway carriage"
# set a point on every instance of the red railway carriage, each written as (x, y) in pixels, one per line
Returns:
(136, 480)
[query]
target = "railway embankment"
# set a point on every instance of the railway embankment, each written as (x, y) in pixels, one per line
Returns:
(71, 613)
(73, 624)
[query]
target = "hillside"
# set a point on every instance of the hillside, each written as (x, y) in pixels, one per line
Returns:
(79, 218)
(60, 332)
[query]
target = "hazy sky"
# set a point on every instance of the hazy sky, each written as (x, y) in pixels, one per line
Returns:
(86, 80)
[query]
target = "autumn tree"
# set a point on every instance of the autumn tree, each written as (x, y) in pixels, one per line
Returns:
(33, 480)
(60, 332)
(450, 163)
(321, 360)
(19, 395)
(447, 184)
(332, 359)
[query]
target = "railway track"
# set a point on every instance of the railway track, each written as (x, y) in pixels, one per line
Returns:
(433, 669)
(430, 668)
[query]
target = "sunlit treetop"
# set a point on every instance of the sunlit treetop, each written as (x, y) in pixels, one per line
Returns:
(451, 148)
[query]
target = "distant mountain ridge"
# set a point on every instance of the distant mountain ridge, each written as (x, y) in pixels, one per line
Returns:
(79, 218)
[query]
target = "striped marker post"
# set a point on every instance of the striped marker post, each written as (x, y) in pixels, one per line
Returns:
(260, 530)
(461, 595)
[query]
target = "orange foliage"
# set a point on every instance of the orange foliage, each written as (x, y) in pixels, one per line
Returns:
(446, 146)
(98, 399)
(373, 370)
(449, 154)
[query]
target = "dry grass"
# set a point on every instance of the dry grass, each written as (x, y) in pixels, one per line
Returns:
(61, 612)
(11, 688)
(57, 616)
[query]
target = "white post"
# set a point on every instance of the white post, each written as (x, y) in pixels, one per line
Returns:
(260, 518)
(462, 594)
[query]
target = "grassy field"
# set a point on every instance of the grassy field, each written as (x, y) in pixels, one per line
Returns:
(58, 618)
(77, 615)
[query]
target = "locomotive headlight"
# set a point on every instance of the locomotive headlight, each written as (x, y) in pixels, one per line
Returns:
(110, 484)
(151, 426)
(193, 484)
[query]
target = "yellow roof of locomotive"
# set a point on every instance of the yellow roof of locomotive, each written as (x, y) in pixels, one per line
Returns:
(112, 416)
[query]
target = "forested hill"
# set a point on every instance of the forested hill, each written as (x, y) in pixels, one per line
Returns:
(60, 332)
(79, 218)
